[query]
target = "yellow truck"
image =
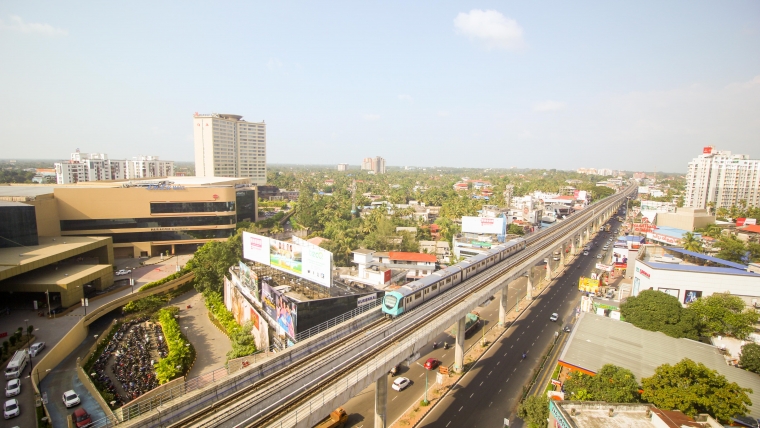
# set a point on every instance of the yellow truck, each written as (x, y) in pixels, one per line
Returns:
(337, 419)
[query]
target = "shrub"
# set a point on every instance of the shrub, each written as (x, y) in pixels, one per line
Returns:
(162, 281)
(243, 342)
(180, 356)
(12, 339)
(146, 304)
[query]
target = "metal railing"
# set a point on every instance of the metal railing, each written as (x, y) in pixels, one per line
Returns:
(337, 320)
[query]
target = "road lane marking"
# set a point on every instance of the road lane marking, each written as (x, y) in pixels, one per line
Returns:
(489, 373)
(448, 423)
(497, 363)
(489, 404)
(473, 392)
(460, 409)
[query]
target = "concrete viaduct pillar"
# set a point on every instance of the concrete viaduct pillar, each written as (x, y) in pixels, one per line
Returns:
(562, 255)
(381, 401)
(529, 293)
(573, 248)
(459, 346)
(548, 270)
(503, 306)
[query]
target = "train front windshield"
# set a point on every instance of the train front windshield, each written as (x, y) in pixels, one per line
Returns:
(390, 301)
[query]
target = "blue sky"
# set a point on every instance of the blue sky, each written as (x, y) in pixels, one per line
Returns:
(564, 85)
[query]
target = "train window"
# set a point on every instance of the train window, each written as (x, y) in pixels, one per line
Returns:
(448, 280)
(435, 287)
(418, 295)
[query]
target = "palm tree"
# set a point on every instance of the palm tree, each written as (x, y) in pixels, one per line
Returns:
(711, 208)
(691, 243)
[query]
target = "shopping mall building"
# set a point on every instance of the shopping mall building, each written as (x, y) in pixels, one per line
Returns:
(142, 217)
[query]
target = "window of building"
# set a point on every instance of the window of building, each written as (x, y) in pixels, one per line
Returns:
(190, 207)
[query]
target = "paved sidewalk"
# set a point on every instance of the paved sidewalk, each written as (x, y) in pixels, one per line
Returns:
(211, 345)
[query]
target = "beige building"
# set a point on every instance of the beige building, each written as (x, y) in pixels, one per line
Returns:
(97, 167)
(685, 218)
(227, 146)
(141, 217)
(720, 179)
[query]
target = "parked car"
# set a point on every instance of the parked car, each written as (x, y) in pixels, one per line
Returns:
(81, 418)
(401, 383)
(70, 398)
(431, 363)
(598, 256)
(554, 317)
(36, 348)
(123, 272)
(585, 253)
(11, 409)
(13, 388)
(566, 329)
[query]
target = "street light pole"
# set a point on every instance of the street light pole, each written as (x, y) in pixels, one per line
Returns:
(425, 401)
(47, 293)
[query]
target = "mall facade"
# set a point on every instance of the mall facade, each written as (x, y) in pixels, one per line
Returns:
(143, 218)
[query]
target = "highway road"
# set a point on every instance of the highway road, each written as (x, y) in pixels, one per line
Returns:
(490, 392)
(361, 407)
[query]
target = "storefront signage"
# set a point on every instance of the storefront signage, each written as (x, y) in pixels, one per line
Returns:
(365, 300)
(664, 238)
(159, 229)
(606, 268)
(165, 187)
(643, 272)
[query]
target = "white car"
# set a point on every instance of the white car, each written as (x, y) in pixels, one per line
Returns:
(598, 256)
(70, 398)
(554, 317)
(585, 253)
(11, 409)
(13, 388)
(401, 383)
(123, 272)
(36, 348)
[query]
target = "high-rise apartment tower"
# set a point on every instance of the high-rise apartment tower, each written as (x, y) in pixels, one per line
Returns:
(721, 179)
(227, 146)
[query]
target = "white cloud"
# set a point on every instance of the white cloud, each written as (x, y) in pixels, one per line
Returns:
(443, 113)
(406, 97)
(371, 117)
(18, 25)
(548, 105)
(274, 64)
(492, 28)
(526, 135)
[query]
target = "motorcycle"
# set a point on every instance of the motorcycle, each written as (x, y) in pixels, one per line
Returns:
(445, 345)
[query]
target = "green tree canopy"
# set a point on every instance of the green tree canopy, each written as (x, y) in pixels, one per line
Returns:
(750, 359)
(656, 311)
(731, 249)
(693, 388)
(534, 411)
(210, 264)
(691, 243)
(612, 384)
(725, 314)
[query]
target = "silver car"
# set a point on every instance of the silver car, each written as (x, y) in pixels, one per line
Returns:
(11, 409)
(13, 388)
(36, 348)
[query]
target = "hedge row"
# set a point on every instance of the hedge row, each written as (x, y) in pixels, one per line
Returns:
(241, 339)
(162, 281)
(180, 355)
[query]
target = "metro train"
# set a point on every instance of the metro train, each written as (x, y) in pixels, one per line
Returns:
(415, 293)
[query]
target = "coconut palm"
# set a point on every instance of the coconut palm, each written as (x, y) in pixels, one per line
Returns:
(690, 242)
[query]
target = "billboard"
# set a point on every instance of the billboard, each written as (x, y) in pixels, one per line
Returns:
(606, 268)
(643, 227)
(745, 221)
(299, 257)
(236, 301)
(280, 309)
(366, 300)
(620, 255)
(496, 226)
(691, 296)
(670, 291)
(317, 263)
(256, 248)
(249, 282)
(588, 284)
(664, 238)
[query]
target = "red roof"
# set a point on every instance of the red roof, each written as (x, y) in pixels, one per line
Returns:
(751, 228)
(569, 198)
(411, 257)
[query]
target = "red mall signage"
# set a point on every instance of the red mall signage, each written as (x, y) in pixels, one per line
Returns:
(707, 150)
(643, 227)
(645, 273)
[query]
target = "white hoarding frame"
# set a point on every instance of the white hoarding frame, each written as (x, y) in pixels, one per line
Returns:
(256, 248)
(317, 263)
(494, 225)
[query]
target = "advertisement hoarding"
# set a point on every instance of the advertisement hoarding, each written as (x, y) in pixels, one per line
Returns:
(256, 248)
(299, 257)
(620, 256)
(588, 284)
(366, 300)
(317, 263)
(691, 296)
(249, 282)
(279, 308)
(659, 237)
(606, 268)
(496, 226)
(643, 227)
(670, 291)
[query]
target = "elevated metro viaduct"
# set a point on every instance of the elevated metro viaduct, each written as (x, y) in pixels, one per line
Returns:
(312, 389)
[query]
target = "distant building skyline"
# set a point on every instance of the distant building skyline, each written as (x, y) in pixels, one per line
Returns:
(83, 167)
(376, 165)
